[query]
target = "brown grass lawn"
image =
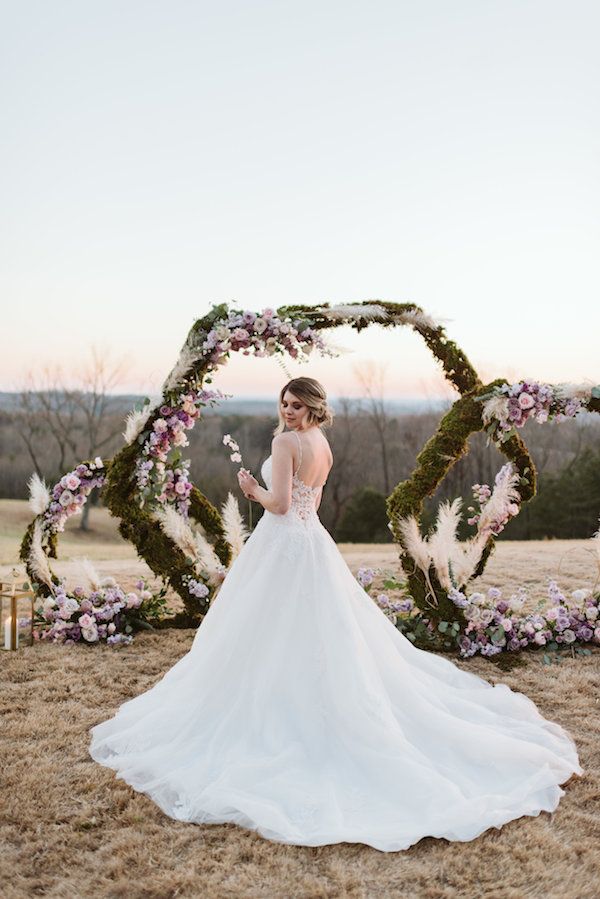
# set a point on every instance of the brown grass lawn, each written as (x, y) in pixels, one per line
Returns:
(69, 828)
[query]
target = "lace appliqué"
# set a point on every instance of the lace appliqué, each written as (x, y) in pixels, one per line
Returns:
(303, 505)
(303, 498)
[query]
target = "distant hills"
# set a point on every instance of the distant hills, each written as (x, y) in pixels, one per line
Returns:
(9, 402)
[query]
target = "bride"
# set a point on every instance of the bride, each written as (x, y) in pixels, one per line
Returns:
(302, 713)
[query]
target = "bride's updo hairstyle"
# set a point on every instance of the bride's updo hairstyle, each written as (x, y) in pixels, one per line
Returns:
(312, 394)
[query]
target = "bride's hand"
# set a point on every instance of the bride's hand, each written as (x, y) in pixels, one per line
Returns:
(248, 483)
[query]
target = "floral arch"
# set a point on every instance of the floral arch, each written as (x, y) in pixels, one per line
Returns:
(147, 486)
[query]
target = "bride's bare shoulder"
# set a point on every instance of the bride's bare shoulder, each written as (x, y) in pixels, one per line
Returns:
(281, 441)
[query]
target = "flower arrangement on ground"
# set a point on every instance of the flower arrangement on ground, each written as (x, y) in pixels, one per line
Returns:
(495, 624)
(104, 613)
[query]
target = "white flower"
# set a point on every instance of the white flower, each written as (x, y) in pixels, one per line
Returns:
(591, 613)
(49, 604)
(580, 595)
(473, 613)
(180, 439)
(259, 325)
(235, 457)
(71, 605)
(66, 498)
(98, 462)
(90, 633)
(222, 332)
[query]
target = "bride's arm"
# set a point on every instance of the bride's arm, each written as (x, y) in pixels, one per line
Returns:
(278, 499)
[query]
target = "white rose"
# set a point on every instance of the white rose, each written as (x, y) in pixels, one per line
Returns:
(90, 633)
(473, 613)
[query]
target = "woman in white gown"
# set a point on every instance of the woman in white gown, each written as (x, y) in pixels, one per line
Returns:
(302, 713)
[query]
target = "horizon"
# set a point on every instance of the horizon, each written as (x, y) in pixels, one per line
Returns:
(440, 155)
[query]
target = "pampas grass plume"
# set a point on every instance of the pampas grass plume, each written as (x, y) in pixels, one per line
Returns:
(236, 532)
(38, 563)
(39, 495)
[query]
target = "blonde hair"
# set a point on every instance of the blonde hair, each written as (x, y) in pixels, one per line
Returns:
(312, 394)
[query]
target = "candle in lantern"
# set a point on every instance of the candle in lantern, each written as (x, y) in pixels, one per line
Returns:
(8, 644)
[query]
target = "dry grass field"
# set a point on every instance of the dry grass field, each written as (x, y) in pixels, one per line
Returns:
(70, 829)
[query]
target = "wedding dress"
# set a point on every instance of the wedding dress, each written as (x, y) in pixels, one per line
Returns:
(302, 713)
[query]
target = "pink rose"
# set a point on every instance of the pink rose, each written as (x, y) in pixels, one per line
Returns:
(526, 401)
(72, 482)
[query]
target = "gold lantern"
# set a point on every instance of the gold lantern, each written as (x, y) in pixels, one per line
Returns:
(16, 615)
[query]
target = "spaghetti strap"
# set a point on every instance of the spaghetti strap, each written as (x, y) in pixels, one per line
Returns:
(300, 447)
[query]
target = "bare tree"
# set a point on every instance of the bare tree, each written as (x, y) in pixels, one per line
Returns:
(340, 483)
(371, 375)
(81, 421)
(47, 412)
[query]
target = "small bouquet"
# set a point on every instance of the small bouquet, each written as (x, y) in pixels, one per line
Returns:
(236, 456)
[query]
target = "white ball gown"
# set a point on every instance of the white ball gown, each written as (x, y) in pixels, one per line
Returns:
(302, 713)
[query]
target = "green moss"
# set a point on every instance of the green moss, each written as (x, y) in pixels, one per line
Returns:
(440, 453)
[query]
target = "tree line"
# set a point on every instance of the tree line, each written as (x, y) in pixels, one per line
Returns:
(51, 428)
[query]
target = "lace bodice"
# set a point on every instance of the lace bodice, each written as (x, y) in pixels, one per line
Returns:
(303, 497)
(303, 505)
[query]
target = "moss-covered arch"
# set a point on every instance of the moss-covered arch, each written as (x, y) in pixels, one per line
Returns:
(195, 369)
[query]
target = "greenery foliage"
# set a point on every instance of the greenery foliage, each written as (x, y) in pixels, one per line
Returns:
(365, 518)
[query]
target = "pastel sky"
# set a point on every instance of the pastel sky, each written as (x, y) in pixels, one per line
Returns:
(159, 157)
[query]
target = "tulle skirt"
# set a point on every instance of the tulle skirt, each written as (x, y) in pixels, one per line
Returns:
(302, 713)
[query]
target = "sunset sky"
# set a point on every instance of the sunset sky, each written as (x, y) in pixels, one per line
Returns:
(161, 157)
